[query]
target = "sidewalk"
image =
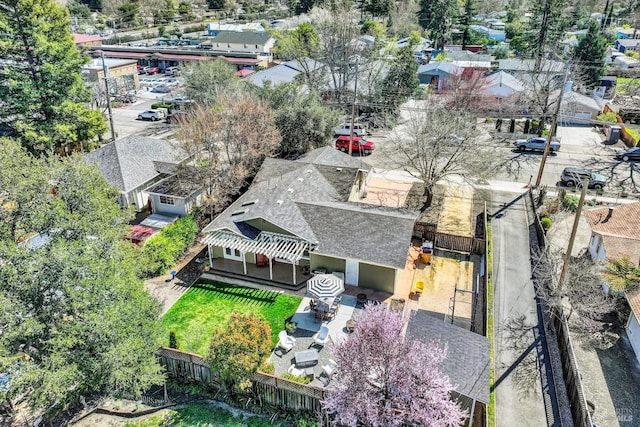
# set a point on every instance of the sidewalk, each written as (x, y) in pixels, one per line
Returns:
(167, 291)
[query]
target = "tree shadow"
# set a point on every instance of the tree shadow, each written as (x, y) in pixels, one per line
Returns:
(236, 293)
(622, 176)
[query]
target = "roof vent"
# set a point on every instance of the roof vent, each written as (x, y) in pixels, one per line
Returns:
(338, 169)
(290, 190)
(300, 179)
(240, 212)
(250, 202)
(308, 171)
(279, 202)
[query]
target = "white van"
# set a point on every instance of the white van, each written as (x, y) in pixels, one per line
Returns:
(345, 129)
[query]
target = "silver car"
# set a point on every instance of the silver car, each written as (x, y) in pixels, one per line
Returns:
(153, 115)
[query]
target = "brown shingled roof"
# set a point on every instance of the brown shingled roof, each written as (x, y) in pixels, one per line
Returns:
(633, 297)
(623, 222)
(616, 246)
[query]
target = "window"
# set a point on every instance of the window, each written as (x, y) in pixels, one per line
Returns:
(166, 200)
(232, 254)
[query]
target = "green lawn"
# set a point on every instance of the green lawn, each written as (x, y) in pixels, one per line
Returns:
(200, 416)
(207, 306)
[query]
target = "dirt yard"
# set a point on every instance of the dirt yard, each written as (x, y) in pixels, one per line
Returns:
(456, 216)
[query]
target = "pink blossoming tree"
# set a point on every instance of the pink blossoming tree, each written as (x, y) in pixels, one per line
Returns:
(383, 379)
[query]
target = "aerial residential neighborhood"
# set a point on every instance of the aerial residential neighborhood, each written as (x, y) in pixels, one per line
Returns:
(308, 213)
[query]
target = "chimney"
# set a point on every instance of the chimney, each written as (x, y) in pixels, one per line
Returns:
(608, 217)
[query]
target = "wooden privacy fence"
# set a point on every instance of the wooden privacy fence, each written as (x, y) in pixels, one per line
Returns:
(570, 372)
(452, 242)
(188, 367)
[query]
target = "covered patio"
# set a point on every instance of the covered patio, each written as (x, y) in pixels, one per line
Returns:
(282, 254)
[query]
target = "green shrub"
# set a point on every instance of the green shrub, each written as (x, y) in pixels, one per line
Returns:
(267, 367)
(570, 202)
(173, 341)
(163, 249)
(546, 223)
(291, 377)
(157, 105)
(609, 117)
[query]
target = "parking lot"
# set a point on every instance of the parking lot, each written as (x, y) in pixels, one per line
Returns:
(125, 115)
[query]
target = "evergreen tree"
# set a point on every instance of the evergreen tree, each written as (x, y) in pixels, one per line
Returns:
(590, 50)
(546, 26)
(401, 80)
(469, 11)
(44, 98)
(435, 16)
(73, 310)
(377, 7)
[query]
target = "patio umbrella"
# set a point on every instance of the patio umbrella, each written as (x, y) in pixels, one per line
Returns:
(325, 286)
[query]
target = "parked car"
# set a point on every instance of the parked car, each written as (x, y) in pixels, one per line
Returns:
(630, 154)
(153, 70)
(536, 144)
(179, 100)
(142, 70)
(171, 71)
(172, 81)
(574, 177)
(161, 89)
(153, 115)
(359, 145)
(127, 98)
(345, 129)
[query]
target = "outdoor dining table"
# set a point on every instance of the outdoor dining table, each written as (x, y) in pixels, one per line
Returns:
(306, 357)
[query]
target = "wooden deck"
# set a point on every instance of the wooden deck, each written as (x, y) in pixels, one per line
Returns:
(282, 273)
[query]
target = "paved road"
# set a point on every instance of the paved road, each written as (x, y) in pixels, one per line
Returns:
(523, 394)
(581, 147)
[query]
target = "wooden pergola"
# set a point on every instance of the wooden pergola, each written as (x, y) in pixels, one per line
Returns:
(285, 248)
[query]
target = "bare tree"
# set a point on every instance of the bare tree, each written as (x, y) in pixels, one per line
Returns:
(228, 143)
(403, 18)
(582, 289)
(340, 49)
(436, 143)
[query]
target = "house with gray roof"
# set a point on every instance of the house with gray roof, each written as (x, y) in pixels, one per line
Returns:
(467, 361)
(244, 42)
(306, 215)
(134, 163)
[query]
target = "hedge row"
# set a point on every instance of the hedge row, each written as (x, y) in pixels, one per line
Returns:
(163, 249)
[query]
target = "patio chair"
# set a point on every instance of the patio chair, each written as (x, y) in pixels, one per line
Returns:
(322, 336)
(329, 368)
(418, 288)
(286, 342)
(295, 371)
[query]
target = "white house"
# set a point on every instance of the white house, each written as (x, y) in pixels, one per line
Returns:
(133, 164)
(615, 231)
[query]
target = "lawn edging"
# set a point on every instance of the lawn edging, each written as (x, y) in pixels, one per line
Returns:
(491, 415)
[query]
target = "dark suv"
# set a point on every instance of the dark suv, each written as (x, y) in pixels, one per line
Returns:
(573, 177)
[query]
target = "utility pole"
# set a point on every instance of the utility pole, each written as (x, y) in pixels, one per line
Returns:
(353, 110)
(572, 238)
(106, 87)
(554, 124)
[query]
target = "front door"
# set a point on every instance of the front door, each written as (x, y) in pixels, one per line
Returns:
(351, 272)
(232, 254)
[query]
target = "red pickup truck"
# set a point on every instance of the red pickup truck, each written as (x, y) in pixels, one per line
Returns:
(359, 145)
